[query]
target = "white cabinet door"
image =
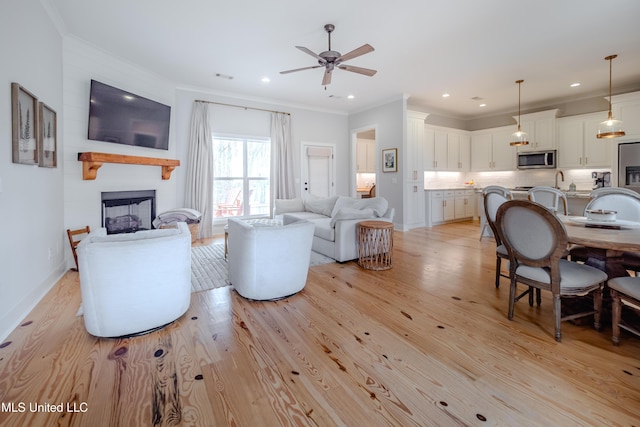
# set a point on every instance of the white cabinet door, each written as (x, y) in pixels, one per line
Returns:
(414, 205)
(440, 150)
(504, 155)
(428, 153)
(453, 151)
(449, 205)
(481, 152)
(465, 153)
(597, 152)
(415, 145)
(570, 143)
(458, 209)
(437, 210)
(545, 137)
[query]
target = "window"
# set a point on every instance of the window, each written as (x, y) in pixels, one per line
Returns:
(241, 177)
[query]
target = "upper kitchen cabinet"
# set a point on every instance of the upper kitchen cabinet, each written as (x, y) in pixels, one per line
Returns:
(541, 128)
(626, 107)
(435, 150)
(366, 155)
(458, 152)
(578, 146)
(491, 151)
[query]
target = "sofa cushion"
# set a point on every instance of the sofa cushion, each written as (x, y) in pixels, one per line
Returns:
(378, 204)
(343, 202)
(139, 235)
(351, 213)
(324, 229)
(289, 205)
(320, 205)
(291, 217)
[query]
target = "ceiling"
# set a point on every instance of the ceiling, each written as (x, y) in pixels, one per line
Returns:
(466, 48)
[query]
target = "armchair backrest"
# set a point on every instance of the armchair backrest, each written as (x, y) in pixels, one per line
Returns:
(550, 197)
(627, 206)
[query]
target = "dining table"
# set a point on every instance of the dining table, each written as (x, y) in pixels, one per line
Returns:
(608, 241)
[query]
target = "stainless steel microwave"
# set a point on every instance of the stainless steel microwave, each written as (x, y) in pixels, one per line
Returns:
(538, 159)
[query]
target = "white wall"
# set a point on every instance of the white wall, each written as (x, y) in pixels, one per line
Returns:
(82, 199)
(388, 120)
(31, 198)
(306, 126)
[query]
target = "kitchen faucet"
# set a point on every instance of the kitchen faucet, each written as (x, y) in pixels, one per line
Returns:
(561, 176)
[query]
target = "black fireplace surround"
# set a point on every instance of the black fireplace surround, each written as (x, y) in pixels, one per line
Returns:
(128, 211)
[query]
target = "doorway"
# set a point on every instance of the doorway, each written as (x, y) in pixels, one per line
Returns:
(366, 161)
(318, 170)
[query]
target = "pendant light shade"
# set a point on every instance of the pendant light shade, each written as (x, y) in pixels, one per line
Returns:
(519, 137)
(610, 128)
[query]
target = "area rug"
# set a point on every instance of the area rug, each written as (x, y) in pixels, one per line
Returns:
(209, 267)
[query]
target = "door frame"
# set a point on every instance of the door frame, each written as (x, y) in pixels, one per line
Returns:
(353, 183)
(303, 155)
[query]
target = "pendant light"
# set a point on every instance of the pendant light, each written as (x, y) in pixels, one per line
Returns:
(519, 137)
(610, 128)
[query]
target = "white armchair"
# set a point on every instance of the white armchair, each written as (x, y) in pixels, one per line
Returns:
(134, 283)
(269, 262)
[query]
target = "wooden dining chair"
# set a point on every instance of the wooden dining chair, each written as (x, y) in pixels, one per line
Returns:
(536, 241)
(75, 236)
(371, 194)
(625, 292)
(494, 196)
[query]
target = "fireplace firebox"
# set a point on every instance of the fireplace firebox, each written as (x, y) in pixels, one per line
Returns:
(128, 211)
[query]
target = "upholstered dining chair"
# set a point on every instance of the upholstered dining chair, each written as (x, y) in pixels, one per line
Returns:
(494, 196)
(536, 242)
(625, 291)
(550, 197)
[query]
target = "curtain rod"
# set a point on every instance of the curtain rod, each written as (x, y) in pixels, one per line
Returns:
(240, 106)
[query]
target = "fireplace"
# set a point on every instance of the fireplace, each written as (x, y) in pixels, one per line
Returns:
(128, 211)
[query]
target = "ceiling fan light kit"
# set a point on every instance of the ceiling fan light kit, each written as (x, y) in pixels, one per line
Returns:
(330, 59)
(519, 137)
(610, 128)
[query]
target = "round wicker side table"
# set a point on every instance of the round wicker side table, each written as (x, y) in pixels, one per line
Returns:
(375, 244)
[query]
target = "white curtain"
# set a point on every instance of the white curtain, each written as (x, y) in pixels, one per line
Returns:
(199, 188)
(282, 180)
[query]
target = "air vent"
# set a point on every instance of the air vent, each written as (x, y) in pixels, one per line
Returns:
(477, 98)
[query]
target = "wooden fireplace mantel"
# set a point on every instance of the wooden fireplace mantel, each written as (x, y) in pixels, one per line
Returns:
(91, 162)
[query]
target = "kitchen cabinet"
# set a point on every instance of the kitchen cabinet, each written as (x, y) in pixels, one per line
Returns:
(366, 155)
(458, 152)
(435, 150)
(414, 204)
(491, 151)
(578, 146)
(449, 205)
(541, 128)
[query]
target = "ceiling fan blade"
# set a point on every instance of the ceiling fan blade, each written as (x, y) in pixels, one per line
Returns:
(300, 69)
(327, 77)
(310, 52)
(366, 71)
(365, 48)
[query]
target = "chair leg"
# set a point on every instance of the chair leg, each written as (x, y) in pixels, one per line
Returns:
(498, 269)
(538, 297)
(616, 309)
(557, 316)
(531, 296)
(597, 307)
(512, 298)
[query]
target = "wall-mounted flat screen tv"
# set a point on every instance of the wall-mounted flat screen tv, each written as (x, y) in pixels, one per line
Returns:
(124, 118)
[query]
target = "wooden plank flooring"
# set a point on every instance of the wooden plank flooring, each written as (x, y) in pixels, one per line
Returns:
(426, 343)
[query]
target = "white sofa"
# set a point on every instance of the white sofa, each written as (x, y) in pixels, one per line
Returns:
(135, 282)
(335, 220)
(268, 262)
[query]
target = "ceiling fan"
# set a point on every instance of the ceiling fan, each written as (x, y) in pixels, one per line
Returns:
(331, 59)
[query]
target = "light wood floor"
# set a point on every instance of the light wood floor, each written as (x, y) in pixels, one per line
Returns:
(426, 343)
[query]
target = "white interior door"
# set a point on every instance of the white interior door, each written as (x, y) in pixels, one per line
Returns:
(318, 171)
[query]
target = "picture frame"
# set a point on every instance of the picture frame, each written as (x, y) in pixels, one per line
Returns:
(24, 126)
(47, 136)
(390, 160)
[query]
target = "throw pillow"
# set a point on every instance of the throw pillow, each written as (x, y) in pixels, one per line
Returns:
(289, 205)
(350, 213)
(343, 202)
(378, 204)
(320, 205)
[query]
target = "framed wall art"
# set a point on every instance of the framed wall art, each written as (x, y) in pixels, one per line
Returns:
(390, 160)
(47, 136)
(24, 125)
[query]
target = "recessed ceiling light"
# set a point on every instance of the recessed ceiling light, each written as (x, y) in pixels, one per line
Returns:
(350, 96)
(445, 95)
(575, 84)
(266, 80)
(483, 105)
